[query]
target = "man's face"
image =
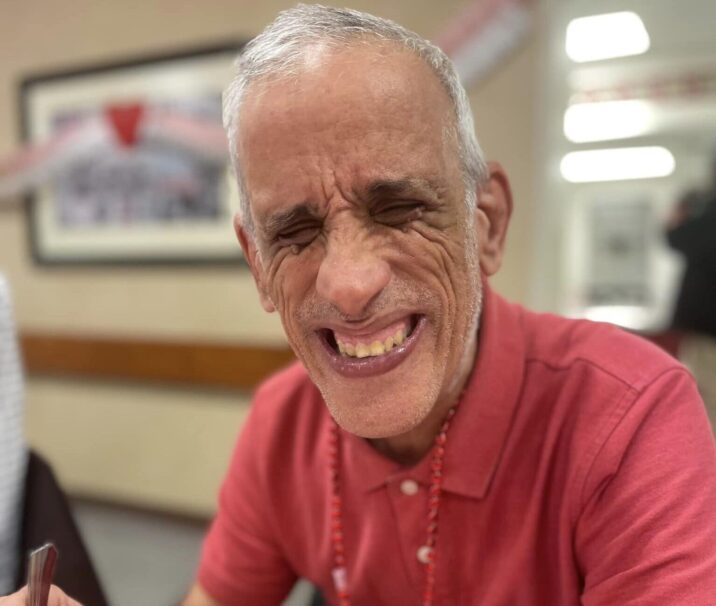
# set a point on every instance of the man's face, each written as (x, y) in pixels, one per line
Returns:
(363, 241)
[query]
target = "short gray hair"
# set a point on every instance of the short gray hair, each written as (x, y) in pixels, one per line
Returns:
(279, 49)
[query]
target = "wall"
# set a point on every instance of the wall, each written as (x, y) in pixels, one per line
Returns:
(165, 447)
(505, 116)
(682, 46)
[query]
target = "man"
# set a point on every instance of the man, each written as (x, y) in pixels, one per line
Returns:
(482, 454)
(578, 464)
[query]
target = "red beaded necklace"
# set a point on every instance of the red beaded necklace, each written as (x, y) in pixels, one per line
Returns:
(340, 577)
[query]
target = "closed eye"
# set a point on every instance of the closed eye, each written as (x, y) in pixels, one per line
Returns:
(397, 215)
(301, 235)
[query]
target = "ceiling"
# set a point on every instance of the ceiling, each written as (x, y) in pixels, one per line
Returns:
(677, 74)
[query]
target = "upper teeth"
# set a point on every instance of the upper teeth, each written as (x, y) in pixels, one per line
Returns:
(376, 348)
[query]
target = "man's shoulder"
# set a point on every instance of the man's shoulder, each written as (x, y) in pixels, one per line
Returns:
(288, 414)
(564, 344)
(598, 390)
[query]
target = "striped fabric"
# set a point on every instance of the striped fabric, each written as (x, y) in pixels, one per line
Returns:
(13, 454)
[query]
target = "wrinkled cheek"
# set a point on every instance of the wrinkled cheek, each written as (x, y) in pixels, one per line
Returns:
(299, 341)
(294, 281)
(450, 283)
(291, 306)
(284, 290)
(282, 300)
(459, 290)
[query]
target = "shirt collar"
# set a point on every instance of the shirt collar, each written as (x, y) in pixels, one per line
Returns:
(482, 422)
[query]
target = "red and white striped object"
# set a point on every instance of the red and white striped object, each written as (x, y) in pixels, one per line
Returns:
(483, 35)
(113, 127)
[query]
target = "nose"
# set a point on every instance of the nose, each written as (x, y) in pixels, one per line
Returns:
(351, 276)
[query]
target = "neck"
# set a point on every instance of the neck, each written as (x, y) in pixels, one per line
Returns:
(408, 448)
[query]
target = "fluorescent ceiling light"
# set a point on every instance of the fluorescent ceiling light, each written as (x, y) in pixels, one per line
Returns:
(617, 164)
(603, 121)
(606, 36)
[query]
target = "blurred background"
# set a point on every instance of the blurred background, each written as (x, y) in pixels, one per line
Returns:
(139, 329)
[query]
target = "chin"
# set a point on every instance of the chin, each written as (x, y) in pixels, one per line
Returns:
(382, 396)
(391, 413)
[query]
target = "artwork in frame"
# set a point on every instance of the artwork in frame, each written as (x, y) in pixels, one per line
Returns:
(620, 252)
(136, 161)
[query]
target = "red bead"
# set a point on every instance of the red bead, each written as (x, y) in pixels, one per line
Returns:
(434, 495)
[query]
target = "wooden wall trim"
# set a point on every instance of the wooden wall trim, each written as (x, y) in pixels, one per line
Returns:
(213, 365)
(209, 365)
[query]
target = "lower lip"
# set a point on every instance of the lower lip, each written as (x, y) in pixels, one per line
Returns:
(373, 365)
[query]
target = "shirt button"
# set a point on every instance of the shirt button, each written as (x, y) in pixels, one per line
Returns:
(409, 487)
(424, 554)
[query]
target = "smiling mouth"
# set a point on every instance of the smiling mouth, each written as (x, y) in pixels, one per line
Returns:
(373, 345)
(375, 353)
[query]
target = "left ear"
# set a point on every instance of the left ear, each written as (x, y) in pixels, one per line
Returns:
(492, 216)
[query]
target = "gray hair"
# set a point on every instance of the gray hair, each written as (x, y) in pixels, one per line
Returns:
(280, 48)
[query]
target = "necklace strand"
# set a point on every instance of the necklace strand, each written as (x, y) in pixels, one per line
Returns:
(340, 576)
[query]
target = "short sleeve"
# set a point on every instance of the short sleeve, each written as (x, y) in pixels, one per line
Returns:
(241, 561)
(646, 534)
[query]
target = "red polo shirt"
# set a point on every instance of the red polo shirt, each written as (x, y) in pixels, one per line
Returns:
(580, 469)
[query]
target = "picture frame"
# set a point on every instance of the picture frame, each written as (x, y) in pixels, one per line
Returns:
(620, 251)
(134, 204)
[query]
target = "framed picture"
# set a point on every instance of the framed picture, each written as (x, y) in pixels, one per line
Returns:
(137, 168)
(620, 255)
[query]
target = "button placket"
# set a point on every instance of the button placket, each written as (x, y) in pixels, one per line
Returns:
(409, 512)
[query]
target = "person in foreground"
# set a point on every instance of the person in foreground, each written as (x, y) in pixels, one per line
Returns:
(435, 444)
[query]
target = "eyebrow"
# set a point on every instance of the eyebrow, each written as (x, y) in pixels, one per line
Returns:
(400, 187)
(279, 221)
